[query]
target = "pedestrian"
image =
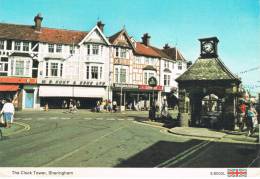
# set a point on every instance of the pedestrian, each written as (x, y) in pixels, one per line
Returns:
(251, 120)
(241, 115)
(8, 113)
(64, 105)
(164, 111)
(98, 106)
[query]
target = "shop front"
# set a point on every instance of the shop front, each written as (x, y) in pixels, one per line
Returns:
(86, 97)
(136, 97)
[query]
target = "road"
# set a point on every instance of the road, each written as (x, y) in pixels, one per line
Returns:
(85, 139)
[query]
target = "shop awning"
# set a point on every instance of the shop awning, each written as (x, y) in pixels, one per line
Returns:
(89, 92)
(9, 87)
(69, 91)
(55, 91)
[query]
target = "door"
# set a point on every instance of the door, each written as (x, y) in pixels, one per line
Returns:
(29, 98)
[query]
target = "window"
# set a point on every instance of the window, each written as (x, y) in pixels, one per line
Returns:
(61, 69)
(20, 67)
(100, 72)
(2, 44)
(3, 66)
(166, 80)
(123, 53)
(146, 60)
(116, 75)
(180, 66)
(117, 52)
(94, 72)
(88, 49)
(51, 48)
(58, 48)
(172, 65)
(95, 49)
(101, 49)
(54, 69)
(72, 49)
(166, 64)
(17, 46)
(123, 75)
(25, 46)
(145, 78)
(87, 71)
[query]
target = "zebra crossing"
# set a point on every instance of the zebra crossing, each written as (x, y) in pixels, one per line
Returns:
(70, 118)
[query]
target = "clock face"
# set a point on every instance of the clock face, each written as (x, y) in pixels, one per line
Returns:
(208, 47)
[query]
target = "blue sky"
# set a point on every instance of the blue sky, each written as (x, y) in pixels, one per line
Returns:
(235, 22)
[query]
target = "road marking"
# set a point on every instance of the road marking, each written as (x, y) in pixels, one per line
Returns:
(120, 119)
(87, 118)
(183, 155)
(41, 118)
(110, 119)
(130, 119)
(83, 146)
(27, 127)
(99, 118)
(27, 119)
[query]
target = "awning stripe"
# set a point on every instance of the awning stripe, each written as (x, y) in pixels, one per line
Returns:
(9, 87)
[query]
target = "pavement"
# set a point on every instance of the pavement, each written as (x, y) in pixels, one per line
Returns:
(226, 135)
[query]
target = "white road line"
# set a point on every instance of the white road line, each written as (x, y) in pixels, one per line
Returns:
(120, 119)
(27, 119)
(54, 118)
(65, 118)
(41, 118)
(110, 119)
(99, 118)
(130, 119)
(83, 146)
(87, 118)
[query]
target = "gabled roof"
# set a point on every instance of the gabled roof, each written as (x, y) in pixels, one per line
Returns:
(49, 35)
(207, 69)
(113, 39)
(171, 52)
(142, 49)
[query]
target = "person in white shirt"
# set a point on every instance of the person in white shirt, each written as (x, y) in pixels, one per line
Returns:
(8, 113)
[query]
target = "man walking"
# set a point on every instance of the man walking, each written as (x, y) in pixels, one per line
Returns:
(8, 113)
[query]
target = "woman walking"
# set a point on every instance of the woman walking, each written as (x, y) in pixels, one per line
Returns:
(8, 113)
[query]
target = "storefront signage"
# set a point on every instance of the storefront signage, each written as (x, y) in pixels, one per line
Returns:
(71, 82)
(146, 87)
(18, 80)
(152, 82)
(118, 85)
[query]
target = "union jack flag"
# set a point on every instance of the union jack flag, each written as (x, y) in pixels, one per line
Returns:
(237, 172)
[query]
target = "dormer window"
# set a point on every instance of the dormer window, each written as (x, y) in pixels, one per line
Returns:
(17, 46)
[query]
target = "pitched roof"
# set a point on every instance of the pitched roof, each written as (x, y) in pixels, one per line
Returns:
(172, 53)
(161, 53)
(113, 39)
(49, 35)
(207, 69)
(142, 49)
(149, 67)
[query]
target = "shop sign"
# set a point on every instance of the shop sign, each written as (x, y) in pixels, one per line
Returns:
(152, 82)
(146, 87)
(71, 82)
(118, 85)
(18, 80)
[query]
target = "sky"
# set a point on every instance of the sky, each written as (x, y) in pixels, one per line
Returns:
(180, 23)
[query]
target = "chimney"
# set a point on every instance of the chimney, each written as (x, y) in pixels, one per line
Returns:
(38, 22)
(146, 39)
(100, 25)
(166, 46)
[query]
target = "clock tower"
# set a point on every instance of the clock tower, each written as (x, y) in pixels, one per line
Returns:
(208, 47)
